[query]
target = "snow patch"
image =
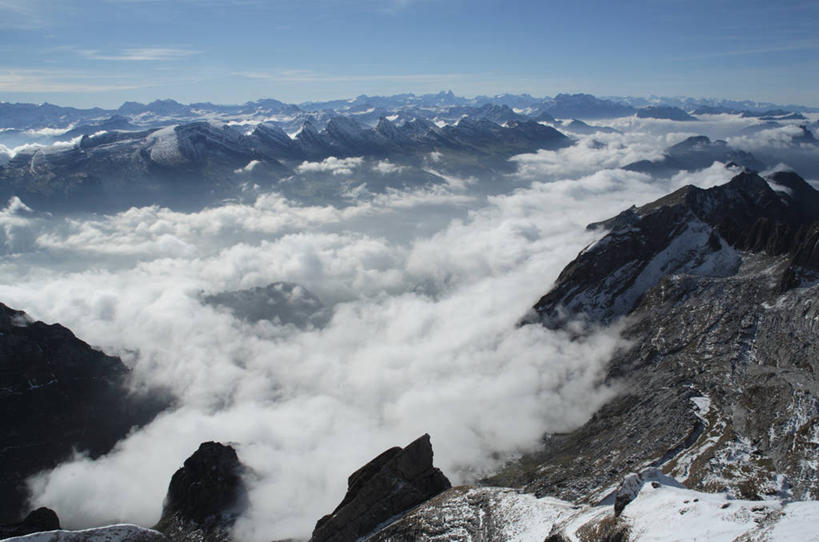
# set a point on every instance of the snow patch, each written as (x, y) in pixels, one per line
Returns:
(687, 253)
(112, 533)
(164, 145)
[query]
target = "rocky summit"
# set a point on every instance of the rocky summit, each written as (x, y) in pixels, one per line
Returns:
(387, 486)
(692, 231)
(39, 520)
(694, 153)
(57, 395)
(718, 385)
(205, 495)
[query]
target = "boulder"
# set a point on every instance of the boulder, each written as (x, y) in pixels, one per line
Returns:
(205, 496)
(389, 485)
(39, 520)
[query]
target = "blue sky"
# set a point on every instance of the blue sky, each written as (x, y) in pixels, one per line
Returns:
(104, 52)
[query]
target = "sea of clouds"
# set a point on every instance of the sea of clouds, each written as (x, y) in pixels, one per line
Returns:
(426, 289)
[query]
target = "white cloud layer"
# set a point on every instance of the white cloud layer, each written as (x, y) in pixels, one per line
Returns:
(426, 289)
(336, 166)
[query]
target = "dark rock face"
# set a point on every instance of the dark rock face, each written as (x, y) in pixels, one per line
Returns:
(691, 231)
(719, 381)
(205, 496)
(696, 152)
(39, 520)
(387, 486)
(57, 394)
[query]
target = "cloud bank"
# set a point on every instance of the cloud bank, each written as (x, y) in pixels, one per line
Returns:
(425, 287)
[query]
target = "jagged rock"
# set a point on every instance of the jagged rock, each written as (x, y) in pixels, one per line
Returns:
(39, 520)
(57, 394)
(694, 153)
(664, 112)
(392, 483)
(205, 495)
(467, 514)
(632, 484)
(691, 231)
(191, 164)
(719, 380)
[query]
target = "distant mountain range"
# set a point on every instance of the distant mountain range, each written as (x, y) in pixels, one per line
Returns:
(368, 109)
(192, 163)
(165, 152)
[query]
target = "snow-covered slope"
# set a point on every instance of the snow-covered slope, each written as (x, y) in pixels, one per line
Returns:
(659, 513)
(111, 533)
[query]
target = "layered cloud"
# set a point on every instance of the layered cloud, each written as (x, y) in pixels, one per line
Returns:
(426, 288)
(336, 166)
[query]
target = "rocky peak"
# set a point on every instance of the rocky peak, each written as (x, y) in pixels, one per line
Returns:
(664, 112)
(271, 133)
(208, 484)
(388, 129)
(418, 127)
(692, 231)
(39, 520)
(718, 379)
(340, 126)
(205, 495)
(389, 485)
(57, 395)
(693, 153)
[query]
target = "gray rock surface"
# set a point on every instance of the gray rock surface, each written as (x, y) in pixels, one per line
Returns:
(468, 514)
(719, 384)
(57, 395)
(694, 153)
(205, 496)
(41, 519)
(693, 231)
(109, 533)
(384, 488)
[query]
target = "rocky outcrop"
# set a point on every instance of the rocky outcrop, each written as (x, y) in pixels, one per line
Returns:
(694, 153)
(719, 383)
(666, 112)
(389, 485)
(468, 514)
(692, 231)
(205, 496)
(631, 485)
(39, 520)
(57, 395)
